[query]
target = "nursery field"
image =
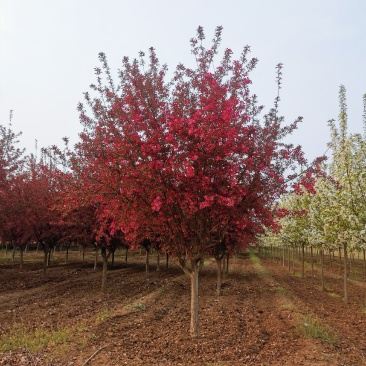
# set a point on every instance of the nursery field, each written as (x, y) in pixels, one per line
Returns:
(266, 314)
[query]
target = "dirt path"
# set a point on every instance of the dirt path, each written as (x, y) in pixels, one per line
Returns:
(144, 320)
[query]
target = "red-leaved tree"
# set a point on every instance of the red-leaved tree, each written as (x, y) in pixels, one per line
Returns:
(191, 160)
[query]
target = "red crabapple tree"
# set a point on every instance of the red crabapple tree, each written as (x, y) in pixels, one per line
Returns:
(191, 159)
(16, 228)
(43, 189)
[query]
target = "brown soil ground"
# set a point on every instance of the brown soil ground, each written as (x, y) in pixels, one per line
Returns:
(263, 317)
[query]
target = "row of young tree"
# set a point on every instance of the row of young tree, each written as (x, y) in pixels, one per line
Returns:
(190, 165)
(331, 216)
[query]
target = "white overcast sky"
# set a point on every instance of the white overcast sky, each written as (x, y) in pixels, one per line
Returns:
(49, 48)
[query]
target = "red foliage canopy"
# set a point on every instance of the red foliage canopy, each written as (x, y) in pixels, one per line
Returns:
(189, 159)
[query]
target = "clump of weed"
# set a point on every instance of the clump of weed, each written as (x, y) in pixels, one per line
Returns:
(33, 340)
(312, 328)
(280, 290)
(136, 305)
(333, 294)
(224, 293)
(105, 314)
(140, 306)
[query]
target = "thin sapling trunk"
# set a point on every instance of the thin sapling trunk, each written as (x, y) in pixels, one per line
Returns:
(21, 256)
(13, 255)
(303, 260)
(322, 268)
(219, 275)
(345, 280)
(194, 326)
(312, 261)
(193, 273)
(158, 261)
(147, 269)
(96, 258)
(45, 262)
(105, 257)
(67, 254)
(83, 253)
(340, 260)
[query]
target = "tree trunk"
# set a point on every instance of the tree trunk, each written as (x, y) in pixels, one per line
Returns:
(96, 259)
(45, 263)
(21, 257)
(340, 260)
(105, 267)
(49, 257)
(345, 273)
(83, 253)
(283, 256)
(364, 261)
(158, 261)
(275, 254)
(312, 261)
(166, 260)
(147, 261)
(303, 261)
(67, 254)
(322, 268)
(126, 255)
(350, 262)
(227, 264)
(194, 327)
(219, 276)
(112, 263)
(293, 260)
(223, 267)
(13, 255)
(6, 249)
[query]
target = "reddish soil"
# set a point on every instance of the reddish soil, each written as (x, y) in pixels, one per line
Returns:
(144, 319)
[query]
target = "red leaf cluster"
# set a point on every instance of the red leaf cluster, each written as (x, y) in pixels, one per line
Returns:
(191, 160)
